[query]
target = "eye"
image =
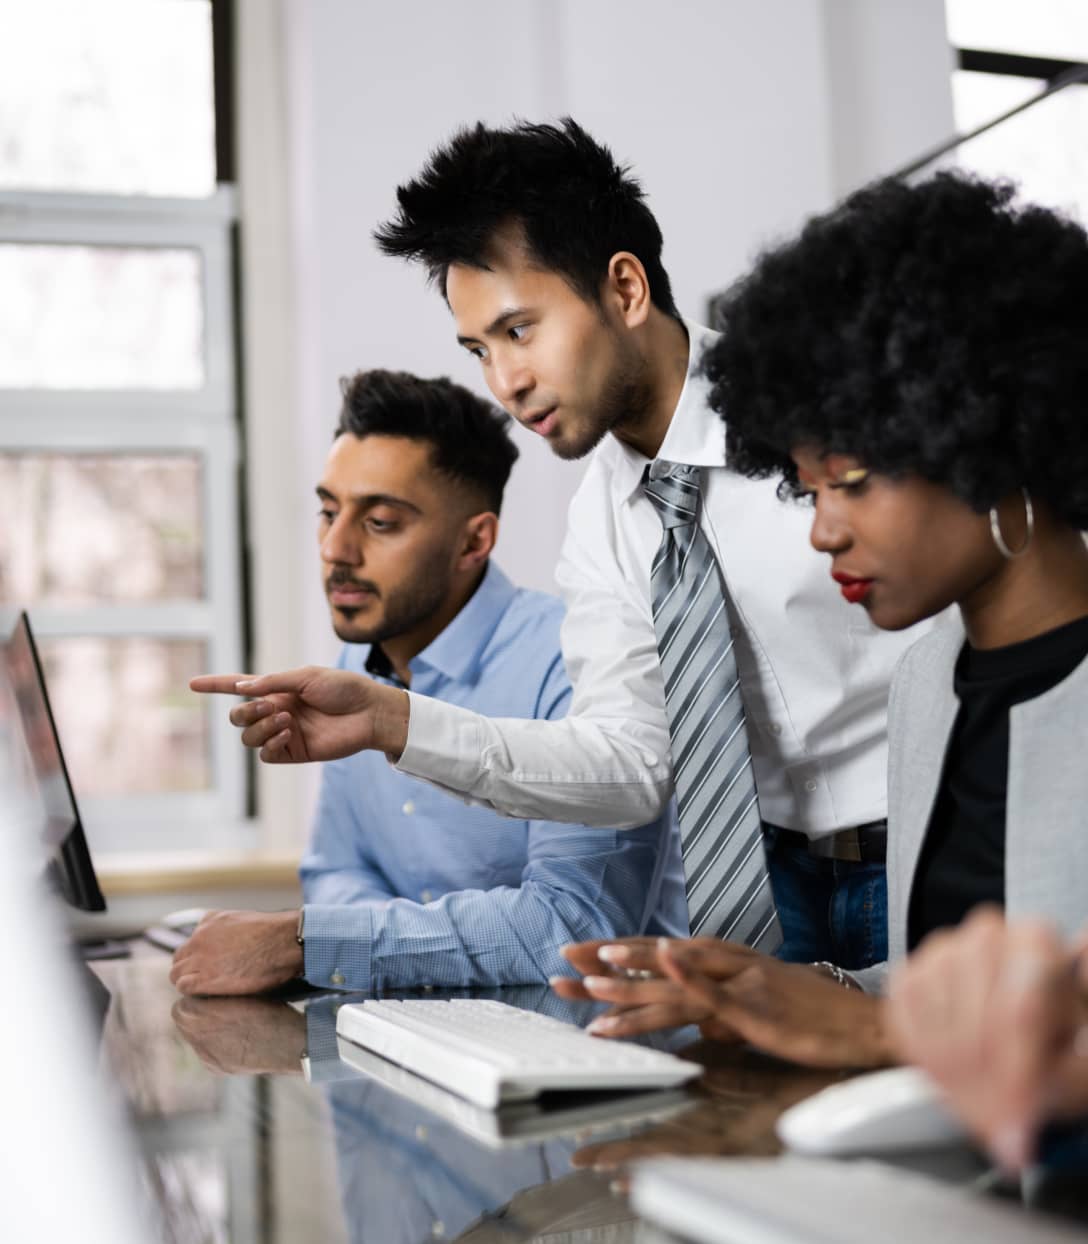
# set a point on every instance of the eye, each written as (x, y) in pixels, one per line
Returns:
(326, 516)
(852, 481)
(478, 352)
(380, 524)
(517, 332)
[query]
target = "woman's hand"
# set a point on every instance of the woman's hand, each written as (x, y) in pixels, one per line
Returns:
(793, 1011)
(733, 993)
(625, 972)
(996, 1014)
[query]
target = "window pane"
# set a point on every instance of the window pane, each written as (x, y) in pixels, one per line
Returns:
(91, 529)
(128, 722)
(113, 96)
(98, 317)
(1042, 149)
(1057, 28)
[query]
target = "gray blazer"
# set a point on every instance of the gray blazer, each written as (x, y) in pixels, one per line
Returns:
(1046, 818)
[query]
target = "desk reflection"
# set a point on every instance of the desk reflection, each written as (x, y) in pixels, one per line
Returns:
(254, 1129)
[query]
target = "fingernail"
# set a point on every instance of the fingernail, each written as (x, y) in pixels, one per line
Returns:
(614, 954)
(602, 1025)
(244, 684)
(1010, 1147)
(598, 982)
(554, 980)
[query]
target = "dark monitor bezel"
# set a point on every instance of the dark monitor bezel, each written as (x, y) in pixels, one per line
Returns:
(71, 866)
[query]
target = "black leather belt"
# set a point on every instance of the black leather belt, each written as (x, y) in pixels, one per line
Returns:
(859, 844)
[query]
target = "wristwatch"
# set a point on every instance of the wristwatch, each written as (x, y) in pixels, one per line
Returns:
(300, 932)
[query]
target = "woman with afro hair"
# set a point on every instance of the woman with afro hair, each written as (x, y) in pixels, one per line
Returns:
(915, 366)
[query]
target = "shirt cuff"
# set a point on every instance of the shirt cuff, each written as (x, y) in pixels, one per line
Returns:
(444, 743)
(336, 946)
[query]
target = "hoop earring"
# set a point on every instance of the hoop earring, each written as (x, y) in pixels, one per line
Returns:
(999, 539)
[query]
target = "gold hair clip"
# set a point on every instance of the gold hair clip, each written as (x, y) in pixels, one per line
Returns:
(857, 475)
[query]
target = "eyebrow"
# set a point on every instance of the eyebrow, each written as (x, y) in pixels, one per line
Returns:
(367, 500)
(499, 322)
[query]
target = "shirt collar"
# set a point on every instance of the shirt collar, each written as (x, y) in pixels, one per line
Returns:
(695, 435)
(456, 651)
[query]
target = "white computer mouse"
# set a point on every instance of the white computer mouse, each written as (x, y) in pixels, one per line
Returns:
(876, 1113)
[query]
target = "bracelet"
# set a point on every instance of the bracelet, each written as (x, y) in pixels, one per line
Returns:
(837, 974)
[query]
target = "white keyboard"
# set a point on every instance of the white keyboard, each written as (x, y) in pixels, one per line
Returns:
(800, 1200)
(490, 1052)
(520, 1122)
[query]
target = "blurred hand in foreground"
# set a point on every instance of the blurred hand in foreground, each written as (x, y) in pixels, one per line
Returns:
(997, 1014)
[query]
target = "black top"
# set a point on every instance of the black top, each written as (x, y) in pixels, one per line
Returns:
(963, 857)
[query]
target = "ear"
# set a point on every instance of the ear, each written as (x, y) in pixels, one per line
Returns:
(477, 540)
(627, 287)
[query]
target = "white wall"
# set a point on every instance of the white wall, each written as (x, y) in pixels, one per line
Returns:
(740, 116)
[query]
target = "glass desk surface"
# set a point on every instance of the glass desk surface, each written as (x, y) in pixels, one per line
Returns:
(253, 1129)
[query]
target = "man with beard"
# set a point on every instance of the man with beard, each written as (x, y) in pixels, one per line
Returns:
(403, 884)
(550, 261)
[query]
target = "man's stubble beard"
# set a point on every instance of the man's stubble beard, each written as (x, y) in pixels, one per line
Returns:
(625, 400)
(405, 608)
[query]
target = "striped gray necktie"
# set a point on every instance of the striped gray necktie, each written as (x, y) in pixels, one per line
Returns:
(725, 866)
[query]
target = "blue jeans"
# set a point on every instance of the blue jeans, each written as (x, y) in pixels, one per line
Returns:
(835, 910)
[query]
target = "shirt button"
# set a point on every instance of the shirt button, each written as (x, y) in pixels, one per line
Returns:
(425, 896)
(421, 1132)
(408, 808)
(811, 785)
(438, 1229)
(776, 729)
(337, 978)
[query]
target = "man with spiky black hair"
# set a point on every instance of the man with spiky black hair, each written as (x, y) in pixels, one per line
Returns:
(403, 885)
(549, 259)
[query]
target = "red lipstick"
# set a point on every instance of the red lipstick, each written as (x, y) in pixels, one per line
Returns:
(854, 590)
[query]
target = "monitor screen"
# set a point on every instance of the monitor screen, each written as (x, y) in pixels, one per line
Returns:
(62, 831)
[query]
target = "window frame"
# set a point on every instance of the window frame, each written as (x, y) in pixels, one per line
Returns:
(204, 422)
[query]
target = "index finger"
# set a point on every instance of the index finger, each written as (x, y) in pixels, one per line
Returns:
(223, 684)
(718, 960)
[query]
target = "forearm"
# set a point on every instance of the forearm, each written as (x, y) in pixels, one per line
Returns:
(331, 886)
(603, 773)
(505, 936)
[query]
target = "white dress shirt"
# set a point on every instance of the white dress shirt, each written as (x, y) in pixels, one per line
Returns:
(814, 670)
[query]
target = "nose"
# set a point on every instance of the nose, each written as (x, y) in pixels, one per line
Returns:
(829, 534)
(340, 545)
(510, 378)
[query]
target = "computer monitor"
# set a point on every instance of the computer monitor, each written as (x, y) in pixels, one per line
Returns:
(69, 859)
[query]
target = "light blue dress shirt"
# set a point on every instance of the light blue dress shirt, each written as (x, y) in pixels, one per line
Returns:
(405, 885)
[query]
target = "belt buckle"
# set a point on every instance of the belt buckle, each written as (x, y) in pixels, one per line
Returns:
(843, 845)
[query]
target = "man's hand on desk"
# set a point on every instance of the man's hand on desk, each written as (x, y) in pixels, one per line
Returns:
(239, 952)
(313, 713)
(243, 1035)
